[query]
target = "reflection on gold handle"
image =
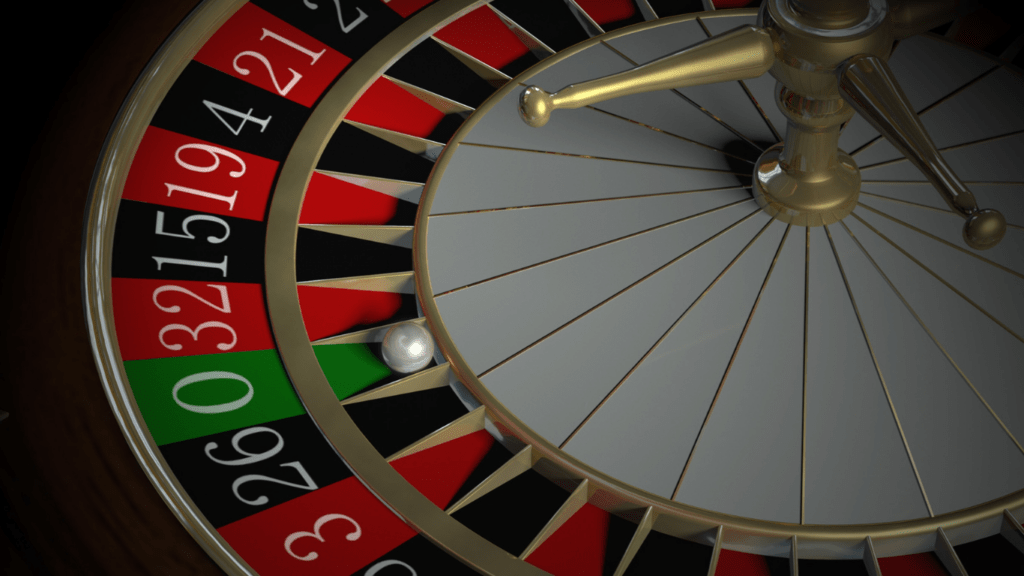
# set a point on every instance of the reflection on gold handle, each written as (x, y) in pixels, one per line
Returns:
(746, 52)
(867, 83)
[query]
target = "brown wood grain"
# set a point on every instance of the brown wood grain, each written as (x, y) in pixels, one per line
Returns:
(74, 498)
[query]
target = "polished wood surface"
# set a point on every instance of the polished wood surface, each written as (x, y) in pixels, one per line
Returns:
(74, 500)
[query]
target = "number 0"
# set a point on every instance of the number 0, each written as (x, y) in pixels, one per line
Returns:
(215, 408)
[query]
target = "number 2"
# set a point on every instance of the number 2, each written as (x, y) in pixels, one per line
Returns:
(273, 78)
(345, 28)
(261, 500)
(225, 305)
(250, 457)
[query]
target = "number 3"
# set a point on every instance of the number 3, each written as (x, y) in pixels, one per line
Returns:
(352, 537)
(195, 334)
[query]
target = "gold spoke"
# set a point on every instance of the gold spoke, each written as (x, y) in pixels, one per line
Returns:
(747, 91)
(878, 370)
(654, 346)
(571, 506)
(464, 425)
(536, 46)
(367, 336)
(932, 336)
(429, 379)
(939, 278)
(761, 111)
(925, 206)
(646, 10)
(735, 350)
(604, 158)
(947, 554)
(591, 27)
(937, 239)
(569, 202)
(521, 462)
(716, 551)
(927, 183)
(623, 291)
(400, 236)
(933, 105)
(952, 148)
(408, 191)
(667, 133)
(1012, 531)
(871, 558)
(908, 203)
(436, 101)
(596, 246)
(395, 282)
(491, 75)
(706, 112)
(643, 528)
(422, 147)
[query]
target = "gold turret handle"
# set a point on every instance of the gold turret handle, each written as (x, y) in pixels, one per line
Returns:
(868, 84)
(746, 52)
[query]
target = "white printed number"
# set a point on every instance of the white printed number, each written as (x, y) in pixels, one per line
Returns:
(216, 152)
(283, 91)
(384, 564)
(194, 332)
(273, 78)
(351, 537)
(345, 28)
(261, 500)
(250, 457)
(212, 376)
(247, 117)
(190, 219)
(225, 305)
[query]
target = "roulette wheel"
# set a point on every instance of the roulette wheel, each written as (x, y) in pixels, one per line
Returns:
(646, 355)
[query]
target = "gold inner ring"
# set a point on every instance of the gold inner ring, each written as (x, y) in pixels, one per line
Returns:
(744, 534)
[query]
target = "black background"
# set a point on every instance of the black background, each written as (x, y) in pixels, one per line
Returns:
(73, 499)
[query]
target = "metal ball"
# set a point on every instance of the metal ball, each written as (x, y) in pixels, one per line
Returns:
(407, 347)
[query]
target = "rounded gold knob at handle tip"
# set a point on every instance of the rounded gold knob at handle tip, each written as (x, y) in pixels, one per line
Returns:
(535, 106)
(984, 229)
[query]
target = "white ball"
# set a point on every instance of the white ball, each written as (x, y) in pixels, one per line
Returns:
(407, 347)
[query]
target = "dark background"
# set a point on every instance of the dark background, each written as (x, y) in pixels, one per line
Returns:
(73, 500)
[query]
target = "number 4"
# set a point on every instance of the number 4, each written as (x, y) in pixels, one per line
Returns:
(217, 109)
